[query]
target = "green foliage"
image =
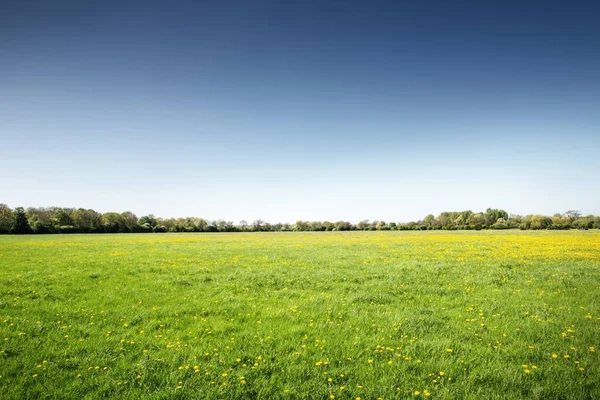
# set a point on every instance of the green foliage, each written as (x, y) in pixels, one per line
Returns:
(540, 222)
(7, 219)
(70, 220)
(21, 224)
(500, 224)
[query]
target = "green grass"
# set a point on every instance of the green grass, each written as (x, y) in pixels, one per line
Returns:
(301, 315)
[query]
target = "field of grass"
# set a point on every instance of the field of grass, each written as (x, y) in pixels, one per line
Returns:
(301, 315)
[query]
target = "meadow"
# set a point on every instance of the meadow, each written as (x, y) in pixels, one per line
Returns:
(331, 315)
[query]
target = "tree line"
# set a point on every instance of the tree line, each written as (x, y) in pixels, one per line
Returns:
(43, 220)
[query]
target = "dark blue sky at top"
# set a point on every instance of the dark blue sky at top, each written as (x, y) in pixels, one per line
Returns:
(276, 97)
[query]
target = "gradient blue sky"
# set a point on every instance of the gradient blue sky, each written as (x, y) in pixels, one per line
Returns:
(300, 110)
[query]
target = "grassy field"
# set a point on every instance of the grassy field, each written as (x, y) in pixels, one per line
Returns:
(301, 315)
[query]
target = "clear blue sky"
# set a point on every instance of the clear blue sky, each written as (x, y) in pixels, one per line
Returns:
(305, 110)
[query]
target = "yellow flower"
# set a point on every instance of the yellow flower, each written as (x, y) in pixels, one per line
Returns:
(554, 355)
(416, 393)
(527, 371)
(442, 373)
(449, 350)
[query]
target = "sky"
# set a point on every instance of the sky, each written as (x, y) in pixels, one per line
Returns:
(311, 110)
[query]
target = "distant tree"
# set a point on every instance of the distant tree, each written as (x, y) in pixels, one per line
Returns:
(62, 217)
(476, 221)
(316, 226)
(560, 222)
(428, 221)
(70, 220)
(113, 222)
(21, 224)
(40, 219)
(343, 226)
(129, 221)
(200, 224)
(493, 214)
(86, 220)
(7, 218)
(382, 226)
(362, 225)
(500, 224)
(301, 226)
(257, 225)
(462, 219)
(444, 220)
(540, 222)
(148, 219)
(584, 222)
(573, 215)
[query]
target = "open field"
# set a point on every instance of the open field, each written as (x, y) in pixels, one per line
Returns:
(301, 315)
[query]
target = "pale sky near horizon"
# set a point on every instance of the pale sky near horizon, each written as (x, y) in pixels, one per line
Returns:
(348, 111)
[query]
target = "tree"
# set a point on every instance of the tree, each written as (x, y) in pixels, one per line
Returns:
(573, 215)
(257, 225)
(129, 221)
(62, 217)
(40, 219)
(86, 220)
(444, 220)
(21, 225)
(113, 222)
(201, 225)
(476, 221)
(381, 226)
(493, 214)
(428, 221)
(500, 224)
(362, 225)
(540, 222)
(7, 218)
